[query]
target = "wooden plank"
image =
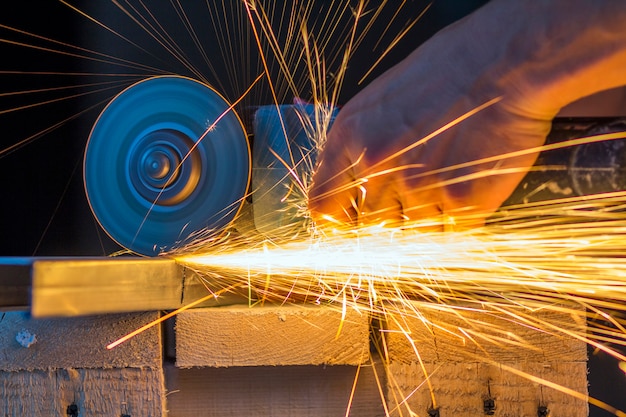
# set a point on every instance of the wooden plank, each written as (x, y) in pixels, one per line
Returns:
(287, 335)
(264, 391)
(487, 335)
(46, 364)
(463, 374)
(78, 342)
(95, 392)
(460, 388)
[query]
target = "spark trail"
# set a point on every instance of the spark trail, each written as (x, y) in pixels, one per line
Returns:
(483, 288)
(571, 258)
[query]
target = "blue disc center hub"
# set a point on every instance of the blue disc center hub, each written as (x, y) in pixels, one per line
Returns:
(159, 163)
(164, 168)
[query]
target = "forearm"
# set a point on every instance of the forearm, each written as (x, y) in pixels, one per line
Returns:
(535, 55)
(546, 54)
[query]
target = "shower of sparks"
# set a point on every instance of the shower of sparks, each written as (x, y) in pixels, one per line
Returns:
(483, 288)
(556, 268)
(572, 263)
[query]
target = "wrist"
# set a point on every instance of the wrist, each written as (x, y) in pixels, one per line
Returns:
(552, 53)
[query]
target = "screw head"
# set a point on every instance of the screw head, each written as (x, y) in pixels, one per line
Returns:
(433, 412)
(489, 406)
(72, 410)
(543, 411)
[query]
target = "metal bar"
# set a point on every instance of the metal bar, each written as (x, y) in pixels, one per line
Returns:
(15, 283)
(63, 287)
(69, 287)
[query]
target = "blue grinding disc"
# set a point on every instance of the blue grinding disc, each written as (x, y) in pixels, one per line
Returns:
(150, 181)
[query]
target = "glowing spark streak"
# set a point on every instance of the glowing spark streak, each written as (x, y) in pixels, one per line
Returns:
(267, 74)
(405, 398)
(8, 150)
(562, 389)
(274, 46)
(373, 168)
(345, 187)
(450, 269)
(379, 386)
(192, 33)
(330, 25)
(169, 45)
(56, 208)
(442, 129)
(550, 147)
(225, 43)
(395, 16)
(353, 389)
(316, 71)
(195, 145)
(348, 51)
(344, 307)
(291, 169)
(69, 73)
(397, 39)
(56, 100)
(424, 371)
(119, 35)
(66, 87)
(111, 59)
(169, 315)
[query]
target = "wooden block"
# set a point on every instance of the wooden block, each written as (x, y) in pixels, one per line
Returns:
(463, 372)
(498, 338)
(287, 335)
(78, 342)
(96, 392)
(460, 388)
(68, 362)
(276, 391)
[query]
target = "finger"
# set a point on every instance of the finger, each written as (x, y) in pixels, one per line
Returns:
(379, 202)
(334, 192)
(472, 202)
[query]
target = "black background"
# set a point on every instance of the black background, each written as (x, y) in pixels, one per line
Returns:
(43, 210)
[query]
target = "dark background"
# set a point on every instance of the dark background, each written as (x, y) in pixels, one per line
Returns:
(43, 210)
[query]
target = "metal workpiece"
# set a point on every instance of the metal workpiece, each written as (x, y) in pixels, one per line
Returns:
(15, 283)
(65, 287)
(71, 287)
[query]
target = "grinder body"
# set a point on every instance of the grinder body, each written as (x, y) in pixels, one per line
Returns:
(168, 160)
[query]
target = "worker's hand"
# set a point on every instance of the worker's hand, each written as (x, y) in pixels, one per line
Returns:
(399, 150)
(377, 165)
(392, 153)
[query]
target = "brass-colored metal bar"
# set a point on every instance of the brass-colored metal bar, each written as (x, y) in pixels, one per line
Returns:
(74, 286)
(15, 283)
(62, 287)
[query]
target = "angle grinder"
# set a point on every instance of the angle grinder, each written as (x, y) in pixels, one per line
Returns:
(169, 157)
